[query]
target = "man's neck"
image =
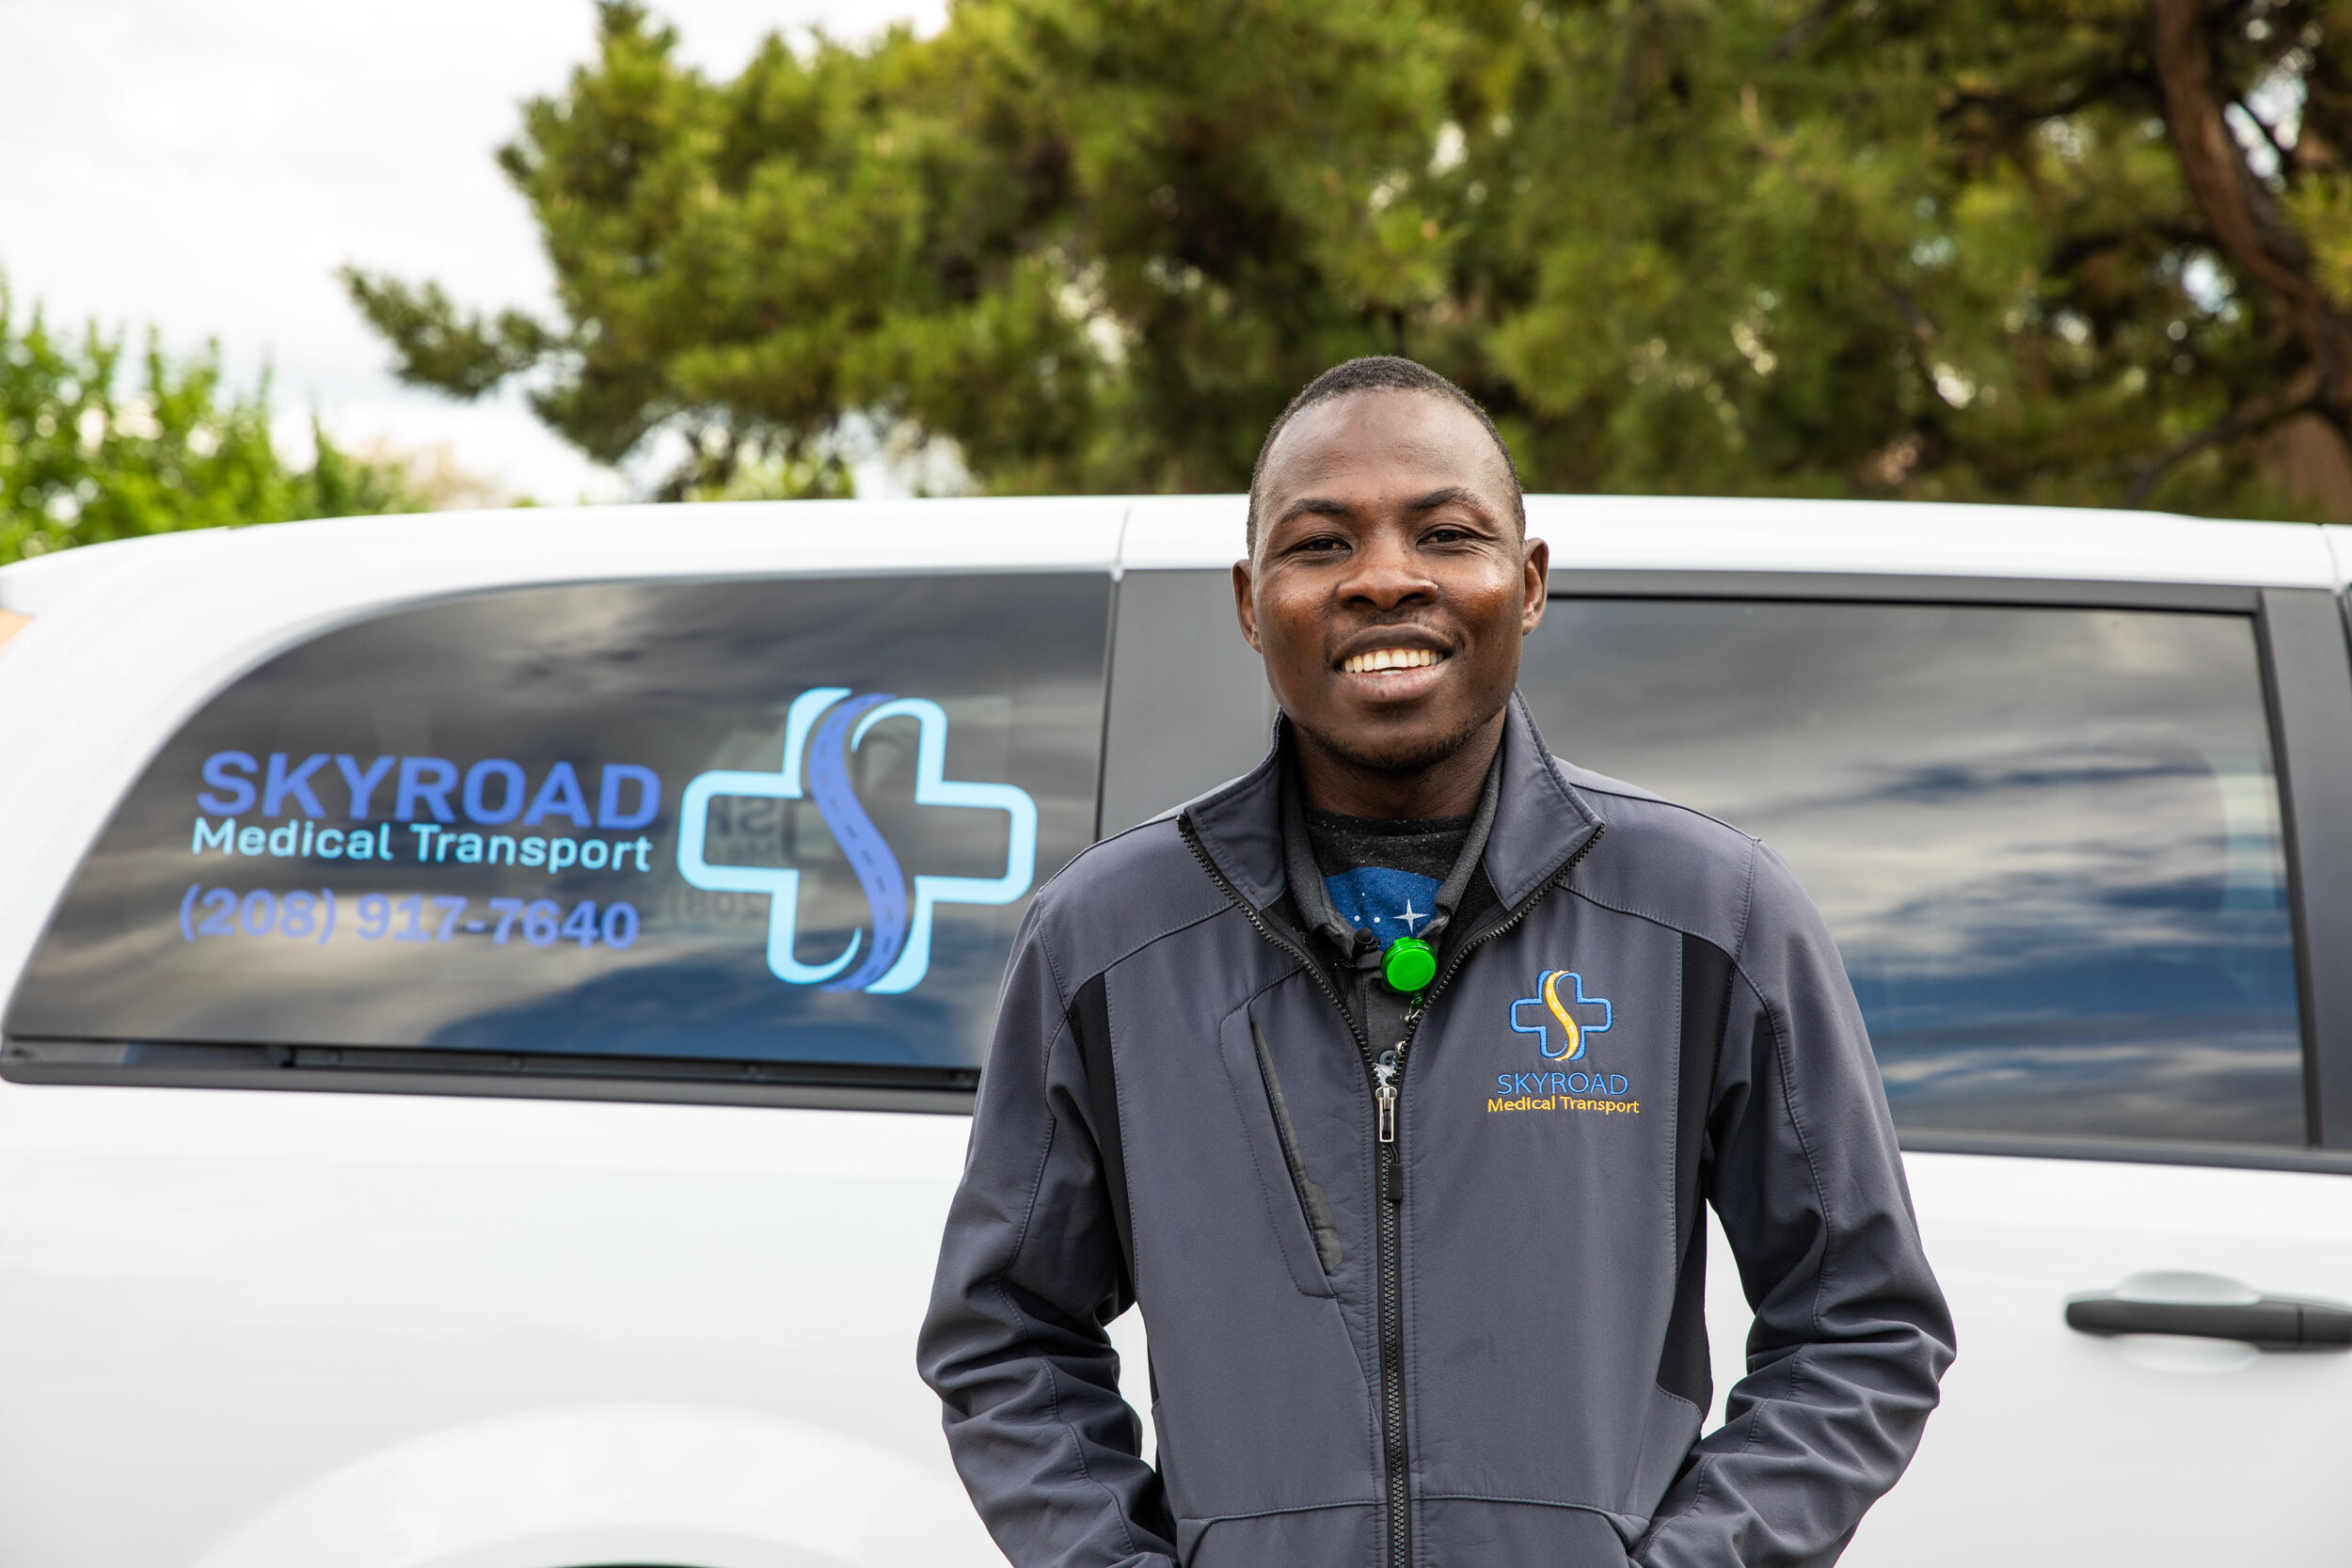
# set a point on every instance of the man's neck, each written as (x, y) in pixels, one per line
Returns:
(1449, 786)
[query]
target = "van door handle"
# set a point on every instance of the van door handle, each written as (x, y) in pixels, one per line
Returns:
(2270, 1323)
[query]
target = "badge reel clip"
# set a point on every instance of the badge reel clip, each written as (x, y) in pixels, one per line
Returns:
(1408, 965)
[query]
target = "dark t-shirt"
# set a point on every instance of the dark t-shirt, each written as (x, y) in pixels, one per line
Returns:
(1382, 874)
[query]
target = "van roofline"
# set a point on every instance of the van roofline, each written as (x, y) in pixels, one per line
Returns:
(1699, 533)
(1647, 533)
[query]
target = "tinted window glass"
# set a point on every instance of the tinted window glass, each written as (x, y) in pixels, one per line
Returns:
(781, 821)
(2047, 841)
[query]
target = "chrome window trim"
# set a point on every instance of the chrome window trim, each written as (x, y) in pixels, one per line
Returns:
(312, 1069)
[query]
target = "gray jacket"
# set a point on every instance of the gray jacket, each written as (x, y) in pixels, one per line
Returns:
(1476, 1342)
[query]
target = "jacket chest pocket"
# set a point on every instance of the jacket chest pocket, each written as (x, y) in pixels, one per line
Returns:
(1295, 1202)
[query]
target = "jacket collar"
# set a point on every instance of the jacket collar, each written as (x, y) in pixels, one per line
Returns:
(1540, 820)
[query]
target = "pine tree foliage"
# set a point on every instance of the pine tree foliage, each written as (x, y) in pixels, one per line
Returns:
(97, 443)
(2079, 251)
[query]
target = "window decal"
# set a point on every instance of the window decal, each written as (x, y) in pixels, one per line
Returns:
(785, 821)
(900, 953)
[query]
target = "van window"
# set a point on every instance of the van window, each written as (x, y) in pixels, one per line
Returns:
(2047, 841)
(778, 821)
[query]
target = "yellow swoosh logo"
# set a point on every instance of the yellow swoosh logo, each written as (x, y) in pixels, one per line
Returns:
(1574, 1035)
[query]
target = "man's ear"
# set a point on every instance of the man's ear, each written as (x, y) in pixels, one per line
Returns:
(1245, 606)
(1535, 580)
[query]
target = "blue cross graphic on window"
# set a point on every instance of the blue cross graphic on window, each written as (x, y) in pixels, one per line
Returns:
(900, 954)
(1574, 1014)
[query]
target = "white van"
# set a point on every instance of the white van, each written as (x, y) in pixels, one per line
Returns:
(488, 999)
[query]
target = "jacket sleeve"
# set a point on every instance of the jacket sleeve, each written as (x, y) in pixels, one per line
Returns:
(1030, 1270)
(1851, 1334)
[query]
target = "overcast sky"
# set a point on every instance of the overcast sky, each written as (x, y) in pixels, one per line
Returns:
(206, 167)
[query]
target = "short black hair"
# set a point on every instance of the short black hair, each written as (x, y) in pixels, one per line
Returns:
(1379, 373)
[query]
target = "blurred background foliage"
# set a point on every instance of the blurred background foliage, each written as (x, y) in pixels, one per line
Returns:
(2088, 253)
(98, 443)
(2070, 251)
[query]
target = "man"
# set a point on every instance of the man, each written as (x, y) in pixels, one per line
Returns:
(1390, 1079)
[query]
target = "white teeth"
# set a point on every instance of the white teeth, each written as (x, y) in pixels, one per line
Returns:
(1390, 659)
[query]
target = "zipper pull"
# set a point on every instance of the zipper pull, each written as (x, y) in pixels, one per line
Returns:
(1384, 1074)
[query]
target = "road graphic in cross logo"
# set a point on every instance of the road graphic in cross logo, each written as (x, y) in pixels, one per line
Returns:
(824, 725)
(1574, 1013)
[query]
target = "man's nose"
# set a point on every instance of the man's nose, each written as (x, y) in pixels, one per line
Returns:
(1387, 572)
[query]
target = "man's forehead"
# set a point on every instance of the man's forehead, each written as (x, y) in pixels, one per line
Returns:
(1384, 433)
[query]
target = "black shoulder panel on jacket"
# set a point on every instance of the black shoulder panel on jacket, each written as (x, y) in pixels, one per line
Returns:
(1682, 1364)
(1090, 1024)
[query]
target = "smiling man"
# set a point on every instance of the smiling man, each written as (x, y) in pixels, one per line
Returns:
(1391, 1080)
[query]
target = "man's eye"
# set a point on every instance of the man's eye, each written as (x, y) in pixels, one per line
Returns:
(1326, 544)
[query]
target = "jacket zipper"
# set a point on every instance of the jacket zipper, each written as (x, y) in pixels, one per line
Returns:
(1387, 1073)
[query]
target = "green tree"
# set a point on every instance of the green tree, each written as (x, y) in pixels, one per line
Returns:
(94, 449)
(2081, 251)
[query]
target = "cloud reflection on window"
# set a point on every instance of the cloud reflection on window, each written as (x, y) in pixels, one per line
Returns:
(2047, 841)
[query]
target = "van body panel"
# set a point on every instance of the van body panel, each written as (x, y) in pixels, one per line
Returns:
(291, 1316)
(445, 1330)
(2339, 548)
(2054, 1446)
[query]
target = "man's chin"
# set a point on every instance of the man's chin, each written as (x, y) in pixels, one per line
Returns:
(1398, 755)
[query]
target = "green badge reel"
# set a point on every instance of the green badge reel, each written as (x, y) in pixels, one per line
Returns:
(1408, 965)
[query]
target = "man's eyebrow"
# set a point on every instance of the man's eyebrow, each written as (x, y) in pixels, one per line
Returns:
(1316, 506)
(1447, 497)
(1326, 506)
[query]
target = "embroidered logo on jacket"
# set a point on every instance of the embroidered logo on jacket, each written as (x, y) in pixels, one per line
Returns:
(1560, 1001)
(1572, 1031)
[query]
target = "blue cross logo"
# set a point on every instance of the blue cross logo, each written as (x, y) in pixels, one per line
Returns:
(901, 950)
(1574, 1015)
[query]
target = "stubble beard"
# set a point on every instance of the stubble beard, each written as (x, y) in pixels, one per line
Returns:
(1405, 758)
